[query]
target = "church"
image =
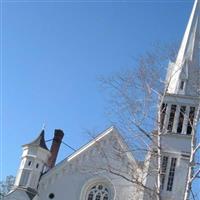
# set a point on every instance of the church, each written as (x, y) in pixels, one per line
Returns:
(105, 168)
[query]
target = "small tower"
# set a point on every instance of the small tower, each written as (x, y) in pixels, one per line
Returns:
(33, 163)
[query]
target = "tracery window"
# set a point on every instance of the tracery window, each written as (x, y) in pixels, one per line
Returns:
(98, 192)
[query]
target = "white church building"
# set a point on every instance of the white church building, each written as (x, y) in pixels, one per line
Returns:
(105, 168)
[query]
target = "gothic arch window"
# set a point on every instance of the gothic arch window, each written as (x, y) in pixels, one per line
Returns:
(98, 192)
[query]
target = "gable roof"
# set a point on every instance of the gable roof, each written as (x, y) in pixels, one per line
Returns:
(98, 138)
(92, 142)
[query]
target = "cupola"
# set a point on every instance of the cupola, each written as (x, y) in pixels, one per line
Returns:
(33, 163)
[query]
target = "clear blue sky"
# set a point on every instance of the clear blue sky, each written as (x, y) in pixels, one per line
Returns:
(53, 53)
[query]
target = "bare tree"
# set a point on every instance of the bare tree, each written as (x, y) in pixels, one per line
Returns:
(6, 186)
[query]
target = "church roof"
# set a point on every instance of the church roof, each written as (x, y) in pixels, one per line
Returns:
(24, 193)
(39, 141)
(112, 131)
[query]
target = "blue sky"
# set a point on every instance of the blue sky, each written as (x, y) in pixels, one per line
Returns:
(53, 54)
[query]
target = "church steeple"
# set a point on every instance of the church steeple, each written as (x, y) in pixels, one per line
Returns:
(179, 110)
(183, 74)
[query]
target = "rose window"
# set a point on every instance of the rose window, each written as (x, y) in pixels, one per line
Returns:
(98, 192)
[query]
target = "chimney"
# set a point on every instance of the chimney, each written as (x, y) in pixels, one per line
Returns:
(58, 135)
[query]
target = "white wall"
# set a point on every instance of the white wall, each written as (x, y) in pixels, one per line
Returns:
(68, 179)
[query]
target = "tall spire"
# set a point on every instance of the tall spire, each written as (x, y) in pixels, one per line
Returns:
(183, 75)
(187, 48)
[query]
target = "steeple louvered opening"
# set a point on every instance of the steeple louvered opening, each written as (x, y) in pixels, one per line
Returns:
(171, 118)
(177, 118)
(181, 119)
(190, 120)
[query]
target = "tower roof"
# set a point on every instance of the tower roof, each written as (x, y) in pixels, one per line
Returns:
(189, 42)
(39, 141)
(188, 55)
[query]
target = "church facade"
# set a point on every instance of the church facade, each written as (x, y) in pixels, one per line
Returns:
(105, 168)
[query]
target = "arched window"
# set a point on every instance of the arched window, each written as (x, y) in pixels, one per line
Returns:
(98, 192)
(98, 188)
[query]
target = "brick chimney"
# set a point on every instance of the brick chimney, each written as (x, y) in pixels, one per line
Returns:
(58, 135)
